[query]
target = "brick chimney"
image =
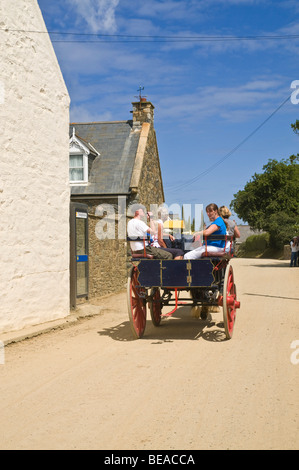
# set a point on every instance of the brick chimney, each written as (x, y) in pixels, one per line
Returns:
(143, 111)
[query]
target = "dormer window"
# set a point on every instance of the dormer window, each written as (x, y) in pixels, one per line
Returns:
(78, 171)
(82, 155)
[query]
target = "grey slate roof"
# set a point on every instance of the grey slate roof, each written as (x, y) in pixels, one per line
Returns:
(117, 144)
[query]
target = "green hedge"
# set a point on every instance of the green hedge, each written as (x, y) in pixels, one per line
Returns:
(257, 242)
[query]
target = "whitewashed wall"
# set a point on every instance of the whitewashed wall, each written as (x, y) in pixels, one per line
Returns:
(34, 161)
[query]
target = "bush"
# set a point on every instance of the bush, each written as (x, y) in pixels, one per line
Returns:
(282, 228)
(259, 246)
(257, 242)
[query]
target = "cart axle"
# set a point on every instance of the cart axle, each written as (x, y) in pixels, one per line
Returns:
(230, 300)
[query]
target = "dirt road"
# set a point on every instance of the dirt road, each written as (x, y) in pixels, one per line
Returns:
(183, 386)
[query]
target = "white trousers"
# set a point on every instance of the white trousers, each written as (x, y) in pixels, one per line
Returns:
(197, 252)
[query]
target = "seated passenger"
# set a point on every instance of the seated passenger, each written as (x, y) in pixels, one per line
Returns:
(216, 227)
(232, 228)
(158, 239)
(138, 229)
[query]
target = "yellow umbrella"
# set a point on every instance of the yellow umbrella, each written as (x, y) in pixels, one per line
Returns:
(174, 224)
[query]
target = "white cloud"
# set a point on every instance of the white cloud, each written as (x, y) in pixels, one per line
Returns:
(290, 4)
(84, 114)
(233, 104)
(98, 14)
(178, 9)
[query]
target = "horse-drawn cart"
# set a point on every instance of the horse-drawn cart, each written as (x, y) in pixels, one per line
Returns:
(157, 283)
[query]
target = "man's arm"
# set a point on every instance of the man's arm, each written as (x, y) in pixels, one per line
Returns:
(160, 236)
(152, 228)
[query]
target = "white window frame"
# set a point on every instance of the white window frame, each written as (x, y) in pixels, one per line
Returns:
(85, 166)
(78, 148)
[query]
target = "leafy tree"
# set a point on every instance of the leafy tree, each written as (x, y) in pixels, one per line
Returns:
(270, 200)
(295, 127)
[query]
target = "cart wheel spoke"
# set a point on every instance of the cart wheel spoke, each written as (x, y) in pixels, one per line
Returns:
(155, 306)
(230, 303)
(136, 304)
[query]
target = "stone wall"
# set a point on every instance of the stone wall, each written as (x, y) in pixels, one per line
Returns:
(34, 166)
(107, 256)
(287, 252)
(150, 189)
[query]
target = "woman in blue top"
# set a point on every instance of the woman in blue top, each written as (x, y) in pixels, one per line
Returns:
(216, 227)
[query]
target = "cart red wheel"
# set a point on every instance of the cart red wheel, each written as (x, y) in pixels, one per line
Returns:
(136, 304)
(155, 306)
(230, 303)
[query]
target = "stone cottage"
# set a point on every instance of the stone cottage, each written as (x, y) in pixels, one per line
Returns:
(34, 167)
(112, 166)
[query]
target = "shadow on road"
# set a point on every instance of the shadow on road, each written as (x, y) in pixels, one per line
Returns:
(180, 326)
(272, 296)
(266, 264)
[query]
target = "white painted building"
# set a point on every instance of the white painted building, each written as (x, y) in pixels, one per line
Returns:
(34, 172)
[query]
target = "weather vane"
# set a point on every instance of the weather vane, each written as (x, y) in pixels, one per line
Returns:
(140, 90)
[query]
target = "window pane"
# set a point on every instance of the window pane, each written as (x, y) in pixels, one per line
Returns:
(76, 174)
(76, 161)
(82, 279)
(81, 236)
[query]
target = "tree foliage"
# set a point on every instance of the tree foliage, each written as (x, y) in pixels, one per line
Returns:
(295, 127)
(270, 200)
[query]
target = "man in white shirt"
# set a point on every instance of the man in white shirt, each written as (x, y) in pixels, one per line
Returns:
(139, 229)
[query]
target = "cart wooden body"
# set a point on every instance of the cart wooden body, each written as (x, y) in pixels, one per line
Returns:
(208, 281)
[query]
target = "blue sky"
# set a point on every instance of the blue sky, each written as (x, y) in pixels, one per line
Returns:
(209, 95)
